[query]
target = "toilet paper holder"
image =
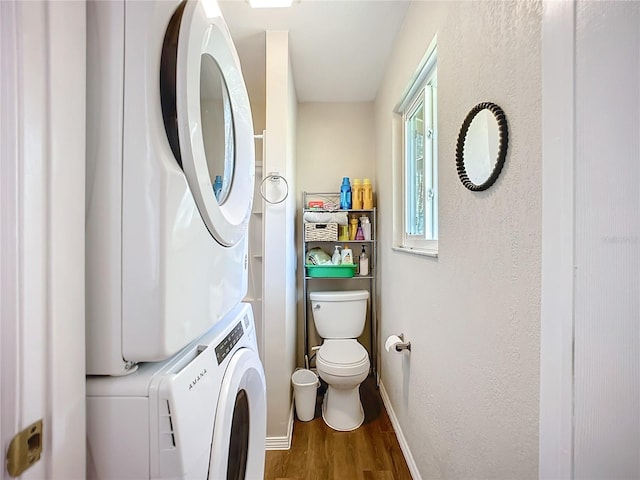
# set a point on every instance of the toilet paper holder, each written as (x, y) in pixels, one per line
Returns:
(404, 345)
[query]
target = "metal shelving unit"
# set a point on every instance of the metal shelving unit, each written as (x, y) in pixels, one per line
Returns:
(334, 198)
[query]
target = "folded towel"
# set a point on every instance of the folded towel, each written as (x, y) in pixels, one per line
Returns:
(341, 218)
(317, 256)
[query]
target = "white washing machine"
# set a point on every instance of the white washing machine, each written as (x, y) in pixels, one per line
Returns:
(170, 174)
(199, 415)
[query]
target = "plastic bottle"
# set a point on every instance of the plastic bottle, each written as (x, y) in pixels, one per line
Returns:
(345, 194)
(336, 259)
(217, 186)
(353, 228)
(364, 263)
(367, 195)
(356, 195)
(359, 234)
(347, 255)
(366, 227)
(344, 233)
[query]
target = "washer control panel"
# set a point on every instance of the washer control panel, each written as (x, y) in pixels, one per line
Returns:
(225, 346)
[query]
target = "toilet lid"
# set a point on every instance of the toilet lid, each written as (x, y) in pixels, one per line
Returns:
(343, 357)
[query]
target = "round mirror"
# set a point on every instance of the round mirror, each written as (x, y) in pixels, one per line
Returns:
(217, 127)
(482, 146)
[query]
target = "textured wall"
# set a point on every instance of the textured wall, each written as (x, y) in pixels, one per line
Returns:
(467, 396)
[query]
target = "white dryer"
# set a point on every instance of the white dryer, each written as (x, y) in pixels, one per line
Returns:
(170, 174)
(199, 415)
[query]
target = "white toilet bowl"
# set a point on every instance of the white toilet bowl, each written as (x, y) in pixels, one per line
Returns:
(339, 317)
(344, 365)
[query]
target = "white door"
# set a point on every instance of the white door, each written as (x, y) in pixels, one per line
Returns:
(590, 337)
(42, 236)
(212, 115)
(239, 430)
(607, 241)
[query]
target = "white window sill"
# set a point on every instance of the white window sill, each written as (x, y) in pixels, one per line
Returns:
(416, 251)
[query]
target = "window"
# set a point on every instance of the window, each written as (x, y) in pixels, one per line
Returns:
(418, 109)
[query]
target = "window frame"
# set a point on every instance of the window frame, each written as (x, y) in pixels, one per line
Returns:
(422, 91)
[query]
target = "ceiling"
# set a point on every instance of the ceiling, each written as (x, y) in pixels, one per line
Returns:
(338, 48)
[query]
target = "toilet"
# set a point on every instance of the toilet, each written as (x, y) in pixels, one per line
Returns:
(339, 317)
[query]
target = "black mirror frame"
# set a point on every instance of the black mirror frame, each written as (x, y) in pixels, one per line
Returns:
(502, 148)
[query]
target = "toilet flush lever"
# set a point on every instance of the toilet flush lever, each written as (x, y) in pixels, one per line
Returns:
(316, 306)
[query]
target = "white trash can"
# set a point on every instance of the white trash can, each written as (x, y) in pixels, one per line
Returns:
(305, 387)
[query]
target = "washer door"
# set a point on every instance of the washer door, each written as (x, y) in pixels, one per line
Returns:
(240, 427)
(207, 117)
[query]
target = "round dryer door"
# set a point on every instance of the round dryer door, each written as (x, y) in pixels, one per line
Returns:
(239, 429)
(213, 120)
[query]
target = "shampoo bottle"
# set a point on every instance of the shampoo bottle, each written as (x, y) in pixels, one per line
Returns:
(364, 263)
(353, 228)
(344, 233)
(347, 255)
(366, 227)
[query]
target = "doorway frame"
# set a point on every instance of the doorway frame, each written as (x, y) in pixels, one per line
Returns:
(558, 234)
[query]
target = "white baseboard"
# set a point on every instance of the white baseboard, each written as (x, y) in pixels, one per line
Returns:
(411, 463)
(281, 443)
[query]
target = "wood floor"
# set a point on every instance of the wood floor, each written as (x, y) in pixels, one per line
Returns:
(317, 452)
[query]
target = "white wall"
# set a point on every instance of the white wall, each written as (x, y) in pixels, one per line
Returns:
(335, 140)
(279, 314)
(467, 396)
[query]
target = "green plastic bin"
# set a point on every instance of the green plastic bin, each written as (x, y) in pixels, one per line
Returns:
(346, 270)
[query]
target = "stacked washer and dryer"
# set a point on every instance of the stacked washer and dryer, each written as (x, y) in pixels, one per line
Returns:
(175, 387)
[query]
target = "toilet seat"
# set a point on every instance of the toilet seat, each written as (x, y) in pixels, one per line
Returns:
(342, 357)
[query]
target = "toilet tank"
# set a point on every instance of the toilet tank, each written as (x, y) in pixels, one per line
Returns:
(339, 314)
